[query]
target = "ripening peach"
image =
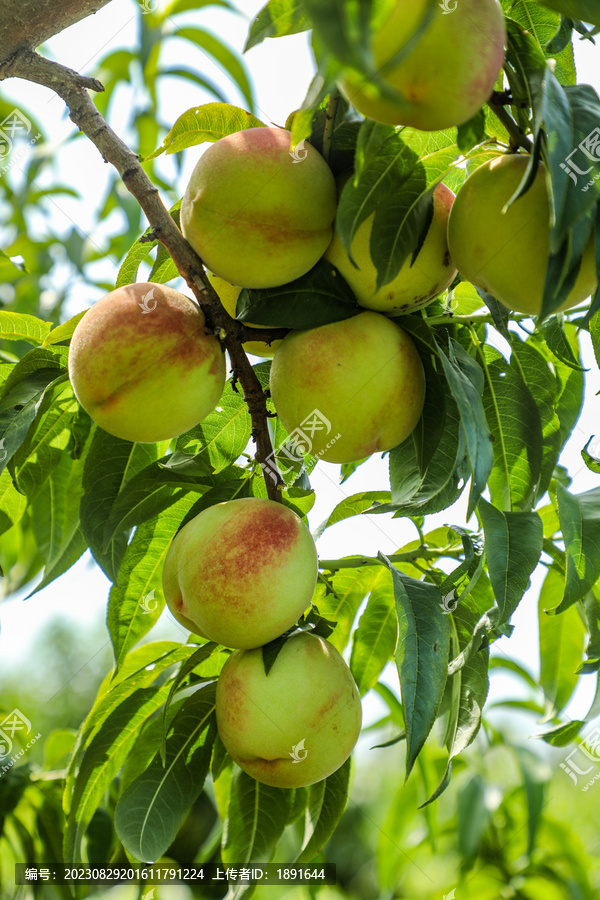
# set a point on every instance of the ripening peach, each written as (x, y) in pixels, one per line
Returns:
(241, 572)
(296, 725)
(448, 74)
(143, 364)
(256, 215)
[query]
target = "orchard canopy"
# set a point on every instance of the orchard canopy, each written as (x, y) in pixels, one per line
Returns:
(222, 335)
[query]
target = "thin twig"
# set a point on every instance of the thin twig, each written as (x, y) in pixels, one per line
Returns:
(518, 138)
(73, 89)
(330, 114)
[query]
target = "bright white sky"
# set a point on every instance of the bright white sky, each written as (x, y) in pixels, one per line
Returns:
(281, 71)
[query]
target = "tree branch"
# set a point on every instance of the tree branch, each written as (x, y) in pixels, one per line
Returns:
(28, 23)
(72, 88)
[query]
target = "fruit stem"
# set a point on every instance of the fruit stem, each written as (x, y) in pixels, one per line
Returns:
(73, 89)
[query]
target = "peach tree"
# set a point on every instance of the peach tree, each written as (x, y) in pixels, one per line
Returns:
(503, 391)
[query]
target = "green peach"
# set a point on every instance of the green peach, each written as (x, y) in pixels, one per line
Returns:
(417, 283)
(505, 252)
(257, 216)
(143, 364)
(296, 725)
(447, 76)
(363, 375)
(241, 572)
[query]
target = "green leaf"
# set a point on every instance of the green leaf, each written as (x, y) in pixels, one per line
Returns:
(153, 807)
(339, 597)
(466, 382)
(516, 428)
(562, 640)
(585, 10)
(427, 469)
(326, 803)
(393, 185)
(421, 656)
(103, 758)
(63, 332)
(47, 439)
(224, 433)
(21, 327)
(109, 464)
(136, 255)
(352, 506)
(12, 503)
(256, 817)
(513, 546)
(55, 519)
(535, 779)
(473, 817)
(209, 122)
(277, 19)
(579, 516)
(136, 601)
(374, 640)
(20, 405)
(543, 385)
(317, 298)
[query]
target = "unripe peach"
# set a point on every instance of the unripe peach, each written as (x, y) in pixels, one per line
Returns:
(505, 252)
(363, 375)
(449, 73)
(296, 725)
(257, 216)
(417, 283)
(241, 572)
(143, 364)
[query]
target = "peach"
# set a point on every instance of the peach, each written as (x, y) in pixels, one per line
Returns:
(446, 77)
(505, 252)
(241, 572)
(362, 375)
(417, 283)
(143, 364)
(257, 216)
(296, 725)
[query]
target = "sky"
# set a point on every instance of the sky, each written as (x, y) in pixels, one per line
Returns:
(281, 71)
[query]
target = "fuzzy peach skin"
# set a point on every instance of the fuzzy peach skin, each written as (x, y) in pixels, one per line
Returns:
(363, 375)
(417, 283)
(309, 697)
(505, 252)
(448, 74)
(241, 572)
(146, 376)
(257, 217)
(228, 295)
